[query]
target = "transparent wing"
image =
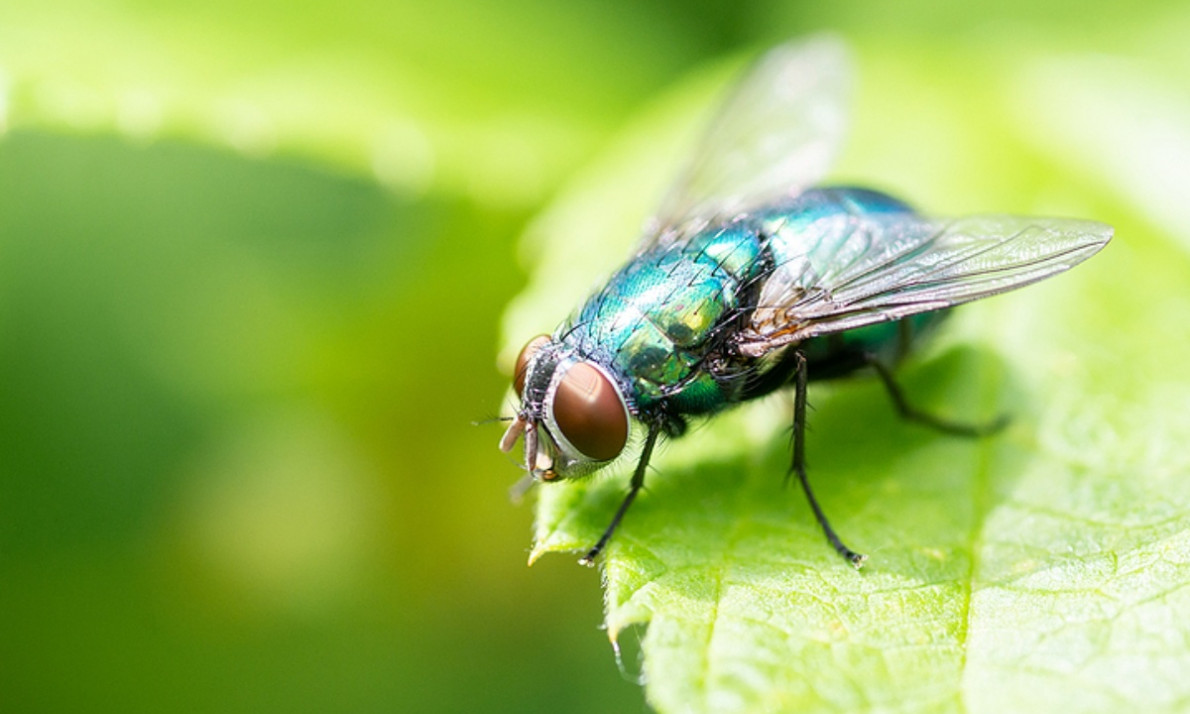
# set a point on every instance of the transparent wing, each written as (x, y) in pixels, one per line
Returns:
(856, 270)
(776, 133)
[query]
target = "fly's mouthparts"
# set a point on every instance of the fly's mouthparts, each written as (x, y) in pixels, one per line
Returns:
(512, 433)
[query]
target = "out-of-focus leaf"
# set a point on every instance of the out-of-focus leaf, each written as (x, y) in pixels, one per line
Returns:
(1124, 121)
(492, 101)
(226, 385)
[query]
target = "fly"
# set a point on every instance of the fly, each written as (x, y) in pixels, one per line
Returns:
(751, 279)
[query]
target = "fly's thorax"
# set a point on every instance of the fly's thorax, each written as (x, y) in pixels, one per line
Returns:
(662, 317)
(573, 415)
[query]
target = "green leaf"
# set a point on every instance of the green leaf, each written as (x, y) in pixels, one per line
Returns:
(1047, 567)
(493, 102)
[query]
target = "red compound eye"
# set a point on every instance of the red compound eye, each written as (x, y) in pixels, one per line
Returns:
(522, 362)
(590, 413)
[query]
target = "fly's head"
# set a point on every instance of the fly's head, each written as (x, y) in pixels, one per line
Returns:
(573, 417)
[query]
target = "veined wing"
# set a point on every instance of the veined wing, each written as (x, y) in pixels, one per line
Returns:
(856, 270)
(775, 134)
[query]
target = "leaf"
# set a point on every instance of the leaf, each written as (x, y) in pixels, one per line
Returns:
(493, 103)
(1045, 568)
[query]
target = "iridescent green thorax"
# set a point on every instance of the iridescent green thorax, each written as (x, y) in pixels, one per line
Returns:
(663, 324)
(661, 316)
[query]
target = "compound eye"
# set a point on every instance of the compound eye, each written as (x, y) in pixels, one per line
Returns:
(522, 362)
(590, 413)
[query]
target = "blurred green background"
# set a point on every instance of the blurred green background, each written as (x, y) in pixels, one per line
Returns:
(253, 261)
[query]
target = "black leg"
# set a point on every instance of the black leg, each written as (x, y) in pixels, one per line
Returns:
(908, 412)
(638, 480)
(799, 463)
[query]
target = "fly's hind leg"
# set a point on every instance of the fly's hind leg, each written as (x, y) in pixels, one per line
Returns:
(911, 413)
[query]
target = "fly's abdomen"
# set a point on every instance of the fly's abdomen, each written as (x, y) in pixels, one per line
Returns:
(810, 239)
(664, 314)
(841, 353)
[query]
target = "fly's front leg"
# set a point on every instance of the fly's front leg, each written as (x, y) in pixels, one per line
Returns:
(638, 481)
(907, 411)
(798, 467)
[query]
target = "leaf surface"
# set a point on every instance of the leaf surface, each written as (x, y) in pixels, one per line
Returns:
(1042, 568)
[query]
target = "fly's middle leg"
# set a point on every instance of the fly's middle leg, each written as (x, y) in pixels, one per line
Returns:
(798, 466)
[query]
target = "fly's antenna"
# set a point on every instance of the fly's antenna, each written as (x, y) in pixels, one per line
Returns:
(491, 420)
